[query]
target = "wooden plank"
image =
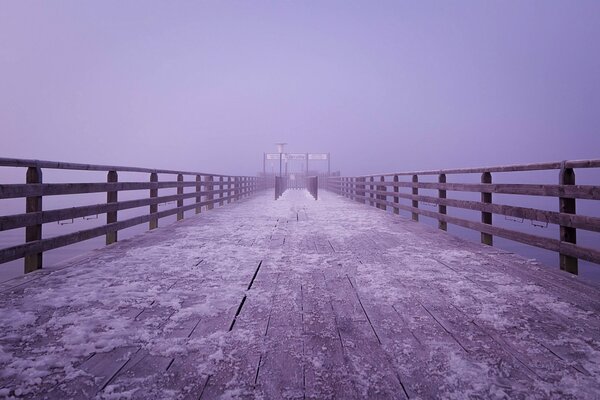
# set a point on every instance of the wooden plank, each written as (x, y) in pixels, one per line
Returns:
(372, 374)
(393, 309)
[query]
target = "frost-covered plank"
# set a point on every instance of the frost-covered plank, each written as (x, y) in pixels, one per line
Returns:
(348, 302)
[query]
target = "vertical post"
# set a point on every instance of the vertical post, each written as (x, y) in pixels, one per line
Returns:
(211, 196)
(198, 195)
(179, 201)
(396, 198)
(111, 197)
(415, 192)
(236, 188)
(153, 207)
(567, 234)
(264, 164)
(328, 164)
(229, 189)
(363, 193)
(383, 188)
(443, 225)
(486, 217)
(33, 233)
(221, 191)
(371, 189)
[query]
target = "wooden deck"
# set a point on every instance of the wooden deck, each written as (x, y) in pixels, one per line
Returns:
(299, 298)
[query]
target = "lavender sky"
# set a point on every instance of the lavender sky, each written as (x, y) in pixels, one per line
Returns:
(381, 85)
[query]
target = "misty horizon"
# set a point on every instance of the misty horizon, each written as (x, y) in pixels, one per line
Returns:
(384, 87)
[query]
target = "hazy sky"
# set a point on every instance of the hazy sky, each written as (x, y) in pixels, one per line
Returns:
(381, 85)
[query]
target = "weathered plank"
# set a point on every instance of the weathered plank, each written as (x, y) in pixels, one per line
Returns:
(300, 299)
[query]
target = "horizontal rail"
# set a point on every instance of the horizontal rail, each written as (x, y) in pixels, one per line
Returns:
(376, 190)
(15, 162)
(15, 221)
(587, 192)
(12, 191)
(501, 168)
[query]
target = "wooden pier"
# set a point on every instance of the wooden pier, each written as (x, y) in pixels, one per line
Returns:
(312, 294)
(298, 298)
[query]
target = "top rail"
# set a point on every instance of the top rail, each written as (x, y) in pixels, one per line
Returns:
(16, 162)
(557, 165)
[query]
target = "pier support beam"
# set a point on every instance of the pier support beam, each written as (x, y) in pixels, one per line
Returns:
(33, 233)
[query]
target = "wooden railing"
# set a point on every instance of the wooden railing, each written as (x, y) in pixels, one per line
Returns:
(383, 190)
(209, 190)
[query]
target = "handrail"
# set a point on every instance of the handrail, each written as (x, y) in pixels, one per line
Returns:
(209, 190)
(17, 162)
(594, 163)
(384, 190)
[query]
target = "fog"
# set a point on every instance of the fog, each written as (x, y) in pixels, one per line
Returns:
(383, 86)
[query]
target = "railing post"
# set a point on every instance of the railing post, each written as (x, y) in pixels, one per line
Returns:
(230, 189)
(221, 186)
(236, 188)
(154, 207)
(111, 197)
(211, 195)
(415, 192)
(371, 194)
(179, 201)
(443, 225)
(567, 234)
(486, 217)
(396, 198)
(33, 233)
(198, 196)
(383, 197)
(363, 193)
